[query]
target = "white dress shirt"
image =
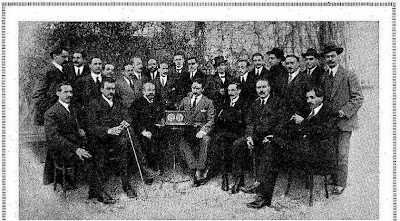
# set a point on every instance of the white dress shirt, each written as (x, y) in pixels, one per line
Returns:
(110, 102)
(64, 104)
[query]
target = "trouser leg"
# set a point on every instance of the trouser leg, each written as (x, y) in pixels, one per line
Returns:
(342, 158)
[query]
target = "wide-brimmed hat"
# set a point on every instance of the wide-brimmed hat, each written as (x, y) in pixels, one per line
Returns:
(310, 52)
(332, 47)
(277, 52)
(219, 60)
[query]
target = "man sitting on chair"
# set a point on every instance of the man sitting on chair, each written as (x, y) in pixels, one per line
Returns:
(108, 124)
(64, 137)
(199, 114)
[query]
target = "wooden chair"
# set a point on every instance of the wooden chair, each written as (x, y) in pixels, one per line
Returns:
(65, 169)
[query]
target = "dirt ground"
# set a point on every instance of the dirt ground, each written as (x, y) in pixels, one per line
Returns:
(162, 201)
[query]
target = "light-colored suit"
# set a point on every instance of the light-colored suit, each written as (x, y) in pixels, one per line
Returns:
(126, 93)
(346, 95)
(200, 119)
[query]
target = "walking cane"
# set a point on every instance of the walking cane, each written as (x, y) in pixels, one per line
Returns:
(254, 165)
(137, 161)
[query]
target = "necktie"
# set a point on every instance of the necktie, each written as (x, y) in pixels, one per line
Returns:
(194, 102)
(311, 114)
(290, 78)
(232, 104)
(78, 72)
(139, 77)
(163, 81)
(258, 72)
(329, 84)
(131, 83)
(241, 79)
(191, 76)
(222, 79)
(263, 102)
(308, 72)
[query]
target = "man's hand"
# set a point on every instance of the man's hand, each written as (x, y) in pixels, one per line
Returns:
(267, 139)
(341, 114)
(297, 118)
(124, 124)
(82, 133)
(147, 134)
(200, 134)
(250, 143)
(115, 130)
(82, 153)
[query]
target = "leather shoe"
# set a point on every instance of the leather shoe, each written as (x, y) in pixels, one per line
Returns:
(239, 182)
(196, 182)
(102, 197)
(259, 203)
(338, 190)
(131, 193)
(225, 183)
(250, 189)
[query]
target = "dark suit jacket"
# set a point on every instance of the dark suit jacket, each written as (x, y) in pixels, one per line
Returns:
(44, 92)
(314, 140)
(264, 73)
(102, 117)
(145, 115)
(167, 94)
(70, 71)
(248, 91)
(315, 76)
(295, 94)
(278, 77)
(148, 75)
(87, 90)
(186, 82)
(346, 95)
(265, 120)
(202, 116)
(232, 119)
(61, 129)
(213, 85)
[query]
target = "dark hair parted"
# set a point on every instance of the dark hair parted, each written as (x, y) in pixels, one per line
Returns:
(244, 60)
(64, 83)
(58, 51)
(319, 92)
(107, 79)
(199, 81)
(257, 54)
(80, 51)
(292, 56)
(237, 83)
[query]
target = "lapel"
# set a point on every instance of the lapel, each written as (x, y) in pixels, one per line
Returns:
(337, 79)
(199, 106)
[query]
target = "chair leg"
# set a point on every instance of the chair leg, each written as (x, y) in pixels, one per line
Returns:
(54, 177)
(290, 178)
(326, 186)
(311, 183)
(64, 180)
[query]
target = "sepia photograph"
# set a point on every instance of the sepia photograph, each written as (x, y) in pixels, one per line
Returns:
(198, 111)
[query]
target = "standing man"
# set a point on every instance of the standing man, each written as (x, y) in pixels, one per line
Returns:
(65, 138)
(166, 87)
(259, 70)
(44, 92)
(278, 71)
(78, 68)
(296, 87)
(146, 112)
(152, 73)
(108, 122)
(187, 79)
(138, 74)
(217, 86)
(343, 94)
(313, 70)
(247, 81)
(178, 72)
(88, 87)
(127, 89)
(199, 114)
(263, 124)
(229, 125)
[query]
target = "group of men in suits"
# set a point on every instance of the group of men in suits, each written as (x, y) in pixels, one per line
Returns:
(265, 110)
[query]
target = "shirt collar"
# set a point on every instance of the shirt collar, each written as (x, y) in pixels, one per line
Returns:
(245, 76)
(78, 68)
(334, 70)
(94, 76)
(137, 74)
(317, 109)
(312, 69)
(198, 98)
(110, 102)
(235, 100)
(294, 74)
(64, 104)
(265, 99)
(147, 99)
(59, 67)
(127, 80)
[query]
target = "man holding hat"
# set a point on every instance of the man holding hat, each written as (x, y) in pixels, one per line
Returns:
(313, 70)
(344, 95)
(278, 71)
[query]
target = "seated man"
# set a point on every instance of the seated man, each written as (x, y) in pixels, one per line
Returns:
(108, 124)
(229, 126)
(65, 140)
(199, 114)
(310, 140)
(146, 112)
(263, 123)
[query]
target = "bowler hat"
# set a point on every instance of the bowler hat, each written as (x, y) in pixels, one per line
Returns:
(332, 47)
(277, 52)
(219, 60)
(310, 52)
